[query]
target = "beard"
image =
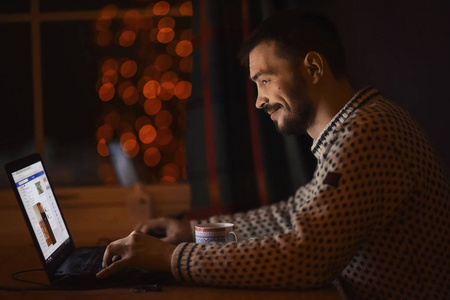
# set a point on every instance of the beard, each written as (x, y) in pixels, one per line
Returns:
(297, 118)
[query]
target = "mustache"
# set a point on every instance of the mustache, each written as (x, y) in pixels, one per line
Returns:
(270, 108)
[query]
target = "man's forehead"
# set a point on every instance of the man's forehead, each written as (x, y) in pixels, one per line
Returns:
(260, 57)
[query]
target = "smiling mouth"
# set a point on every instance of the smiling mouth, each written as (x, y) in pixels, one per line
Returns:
(272, 109)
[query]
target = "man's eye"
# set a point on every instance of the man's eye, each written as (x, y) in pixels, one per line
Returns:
(264, 81)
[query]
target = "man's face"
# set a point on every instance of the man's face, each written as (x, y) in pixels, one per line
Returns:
(281, 89)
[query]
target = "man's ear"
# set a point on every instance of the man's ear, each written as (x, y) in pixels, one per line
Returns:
(314, 65)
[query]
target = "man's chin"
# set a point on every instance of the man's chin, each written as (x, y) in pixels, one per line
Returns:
(285, 129)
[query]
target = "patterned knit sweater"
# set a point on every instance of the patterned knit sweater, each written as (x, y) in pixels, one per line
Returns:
(376, 216)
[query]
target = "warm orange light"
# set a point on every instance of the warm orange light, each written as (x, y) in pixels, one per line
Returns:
(164, 136)
(102, 23)
(131, 17)
(110, 76)
(104, 38)
(127, 136)
(109, 11)
(130, 148)
(183, 89)
(147, 134)
(163, 119)
(152, 106)
(127, 38)
(110, 64)
(186, 8)
(151, 89)
(161, 8)
(166, 22)
(169, 77)
(171, 169)
(128, 68)
(168, 179)
(104, 132)
(141, 121)
(130, 95)
(163, 62)
(106, 92)
(186, 64)
(184, 48)
(122, 87)
(152, 156)
(102, 149)
(167, 91)
(165, 35)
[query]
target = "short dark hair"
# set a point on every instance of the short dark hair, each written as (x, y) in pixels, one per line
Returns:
(298, 32)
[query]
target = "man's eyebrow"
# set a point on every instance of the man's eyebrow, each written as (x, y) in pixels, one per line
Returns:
(255, 77)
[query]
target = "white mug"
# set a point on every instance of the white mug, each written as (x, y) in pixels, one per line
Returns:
(215, 232)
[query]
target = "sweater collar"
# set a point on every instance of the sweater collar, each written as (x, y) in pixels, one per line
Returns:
(355, 102)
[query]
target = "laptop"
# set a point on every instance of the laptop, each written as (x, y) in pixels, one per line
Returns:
(64, 264)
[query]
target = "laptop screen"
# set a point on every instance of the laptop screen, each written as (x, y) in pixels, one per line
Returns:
(42, 211)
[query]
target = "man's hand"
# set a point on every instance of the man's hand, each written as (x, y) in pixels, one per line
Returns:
(174, 231)
(137, 250)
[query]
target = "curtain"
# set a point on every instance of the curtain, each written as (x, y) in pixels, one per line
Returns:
(236, 160)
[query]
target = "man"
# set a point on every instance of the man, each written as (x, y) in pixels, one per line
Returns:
(375, 216)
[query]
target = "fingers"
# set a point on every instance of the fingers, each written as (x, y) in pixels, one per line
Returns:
(112, 253)
(113, 268)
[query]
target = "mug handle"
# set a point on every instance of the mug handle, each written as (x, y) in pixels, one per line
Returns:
(234, 235)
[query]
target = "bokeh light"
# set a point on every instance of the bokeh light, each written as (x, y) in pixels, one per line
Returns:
(152, 106)
(163, 62)
(167, 91)
(152, 156)
(186, 64)
(128, 68)
(184, 48)
(104, 38)
(127, 38)
(131, 17)
(165, 35)
(163, 119)
(130, 148)
(105, 132)
(164, 136)
(147, 134)
(151, 89)
(166, 22)
(141, 121)
(186, 8)
(146, 79)
(161, 8)
(183, 89)
(109, 11)
(102, 149)
(106, 91)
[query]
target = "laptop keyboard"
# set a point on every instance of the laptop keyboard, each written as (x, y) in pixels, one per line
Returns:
(91, 264)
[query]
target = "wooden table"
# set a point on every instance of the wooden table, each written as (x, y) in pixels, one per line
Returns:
(88, 224)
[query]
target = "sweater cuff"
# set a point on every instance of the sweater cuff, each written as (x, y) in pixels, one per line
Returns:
(181, 259)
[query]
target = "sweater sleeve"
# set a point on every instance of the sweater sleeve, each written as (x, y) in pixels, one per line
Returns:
(259, 222)
(360, 182)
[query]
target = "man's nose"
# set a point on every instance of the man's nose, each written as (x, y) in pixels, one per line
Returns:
(261, 101)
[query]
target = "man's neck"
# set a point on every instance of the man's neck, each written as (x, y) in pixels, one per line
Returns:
(331, 100)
